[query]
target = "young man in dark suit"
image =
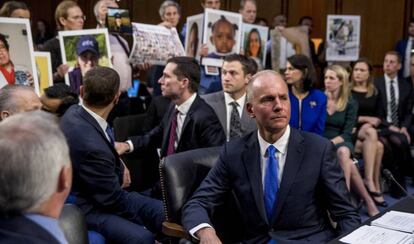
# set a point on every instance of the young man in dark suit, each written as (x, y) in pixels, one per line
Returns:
(99, 174)
(285, 180)
(189, 122)
(229, 104)
(396, 105)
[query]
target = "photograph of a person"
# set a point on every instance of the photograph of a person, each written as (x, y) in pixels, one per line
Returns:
(343, 37)
(84, 49)
(17, 62)
(254, 39)
(118, 21)
(44, 70)
(194, 35)
(222, 33)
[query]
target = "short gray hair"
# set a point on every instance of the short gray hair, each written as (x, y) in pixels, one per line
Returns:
(243, 3)
(33, 152)
(8, 99)
(255, 77)
(167, 4)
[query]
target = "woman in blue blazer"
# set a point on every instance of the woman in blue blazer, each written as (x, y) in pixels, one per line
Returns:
(308, 104)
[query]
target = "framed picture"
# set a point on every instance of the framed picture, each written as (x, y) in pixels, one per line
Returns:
(254, 38)
(222, 35)
(194, 35)
(118, 21)
(83, 49)
(343, 37)
(17, 62)
(154, 44)
(44, 70)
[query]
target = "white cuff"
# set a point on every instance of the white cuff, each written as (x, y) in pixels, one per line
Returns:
(197, 228)
(131, 146)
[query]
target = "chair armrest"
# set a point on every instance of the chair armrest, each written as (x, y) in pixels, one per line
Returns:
(174, 230)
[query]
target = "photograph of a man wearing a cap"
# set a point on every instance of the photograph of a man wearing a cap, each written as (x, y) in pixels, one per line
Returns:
(119, 21)
(87, 51)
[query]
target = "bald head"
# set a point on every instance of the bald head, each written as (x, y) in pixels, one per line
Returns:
(258, 78)
(16, 99)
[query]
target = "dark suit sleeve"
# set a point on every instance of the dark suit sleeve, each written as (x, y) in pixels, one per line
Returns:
(209, 195)
(333, 182)
(151, 139)
(212, 133)
(407, 105)
(97, 172)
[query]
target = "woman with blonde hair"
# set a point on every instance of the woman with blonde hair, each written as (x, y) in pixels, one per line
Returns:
(340, 120)
(367, 141)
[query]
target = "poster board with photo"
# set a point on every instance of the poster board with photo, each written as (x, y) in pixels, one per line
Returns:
(343, 37)
(154, 44)
(221, 34)
(194, 35)
(18, 53)
(118, 21)
(254, 38)
(69, 41)
(44, 70)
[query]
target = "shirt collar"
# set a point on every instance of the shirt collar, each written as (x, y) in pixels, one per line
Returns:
(185, 106)
(281, 144)
(388, 79)
(51, 225)
(102, 123)
(228, 99)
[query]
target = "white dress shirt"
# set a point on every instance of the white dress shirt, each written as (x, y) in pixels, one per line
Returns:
(281, 146)
(229, 108)
(182, 114)
(388, 93)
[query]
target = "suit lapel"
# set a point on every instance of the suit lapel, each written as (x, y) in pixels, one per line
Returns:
(220, 108)
(252, 162)
(383, 90)
(189, 116)
(293, 162)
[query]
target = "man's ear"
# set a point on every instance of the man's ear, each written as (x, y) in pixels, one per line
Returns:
(62, 21)
(116, 98)
(65, 178)
(249, 109)
(4, 114)
(247, 78)
(81, 91)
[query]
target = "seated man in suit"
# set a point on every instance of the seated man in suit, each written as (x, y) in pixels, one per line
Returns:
(16, 99)
(283, 179)
(98, 179)
(34, 182)
(396, 105)
(189, 122)
(229, 104)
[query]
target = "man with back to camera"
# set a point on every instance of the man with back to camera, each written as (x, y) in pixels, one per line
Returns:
(99, 174)
(283, 179)
(34, 182)
(229, 104)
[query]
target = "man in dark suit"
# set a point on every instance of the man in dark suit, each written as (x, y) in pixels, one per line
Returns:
(189, 122)
(120, 216)
(35, 179)
(229, 104)
(396, 105)
(285, 180)
(405, 48)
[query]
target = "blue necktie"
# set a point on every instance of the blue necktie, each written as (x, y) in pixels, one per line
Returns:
(110, 133)
(270, 181)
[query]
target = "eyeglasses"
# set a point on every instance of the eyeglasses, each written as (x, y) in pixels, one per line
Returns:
(76, 18)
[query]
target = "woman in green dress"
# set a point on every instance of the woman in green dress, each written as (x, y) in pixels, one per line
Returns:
(341, 118)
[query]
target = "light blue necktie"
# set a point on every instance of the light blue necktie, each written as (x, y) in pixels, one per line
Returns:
(270, 182)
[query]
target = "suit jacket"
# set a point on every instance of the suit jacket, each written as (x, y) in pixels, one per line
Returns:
(217, 102)
(312, 182)
(201, 128)
(400, 48)
(97, 169)
(20, 229)
(404, 100)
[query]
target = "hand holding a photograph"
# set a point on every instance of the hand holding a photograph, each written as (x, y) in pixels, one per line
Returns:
(203, 50)
(30, 79)
(62, 70)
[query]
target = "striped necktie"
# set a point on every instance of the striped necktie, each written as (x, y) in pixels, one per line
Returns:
(394, 108)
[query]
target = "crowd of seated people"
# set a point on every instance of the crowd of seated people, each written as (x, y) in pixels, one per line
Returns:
(291, 152)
